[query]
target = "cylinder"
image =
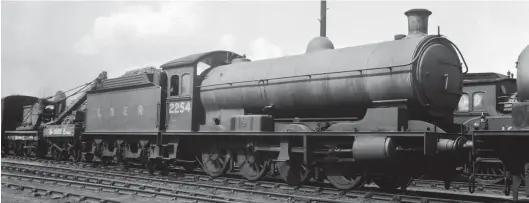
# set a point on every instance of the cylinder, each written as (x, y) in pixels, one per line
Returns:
(522, 77)
(418, 21)
(373, 148)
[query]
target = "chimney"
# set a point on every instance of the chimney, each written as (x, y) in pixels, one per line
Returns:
(418, 21)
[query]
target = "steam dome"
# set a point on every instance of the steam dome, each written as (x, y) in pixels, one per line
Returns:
(319, 43)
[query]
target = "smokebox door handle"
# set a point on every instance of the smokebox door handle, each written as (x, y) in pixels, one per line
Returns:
(445, 76)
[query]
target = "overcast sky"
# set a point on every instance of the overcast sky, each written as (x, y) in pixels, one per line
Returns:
(50, 46)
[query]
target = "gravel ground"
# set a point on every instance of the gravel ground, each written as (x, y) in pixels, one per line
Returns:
(16, 196)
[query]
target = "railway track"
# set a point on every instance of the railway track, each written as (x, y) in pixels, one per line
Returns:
(266, 191)
(168, 194)
(47, 191)
(156, 187)
(198, 175)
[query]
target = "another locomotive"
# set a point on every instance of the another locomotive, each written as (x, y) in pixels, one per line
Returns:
(490, 95)
(485, 93)
(509, 143)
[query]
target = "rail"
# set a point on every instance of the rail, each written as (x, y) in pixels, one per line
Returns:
(175, 193)
(367, 193)
(103, 181)
(47, 191)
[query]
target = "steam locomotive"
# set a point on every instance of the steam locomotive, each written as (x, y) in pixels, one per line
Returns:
(490, 95)
(350, 115)
(506, 137)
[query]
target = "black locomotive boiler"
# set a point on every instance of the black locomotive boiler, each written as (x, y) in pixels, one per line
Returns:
(380, 112)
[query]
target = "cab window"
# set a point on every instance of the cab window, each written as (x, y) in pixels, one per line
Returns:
(186, 84)
(478, 101)
(175, 85)
(464, 104)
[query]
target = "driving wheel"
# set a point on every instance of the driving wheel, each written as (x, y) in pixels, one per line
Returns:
(293, 173)
(215, 161)
(343, 177)
(255, 166)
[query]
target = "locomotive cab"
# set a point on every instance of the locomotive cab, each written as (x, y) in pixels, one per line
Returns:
(179, 101)
(487, 94)
(184, 112)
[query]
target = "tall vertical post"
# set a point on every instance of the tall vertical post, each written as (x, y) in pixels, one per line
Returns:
(323, 18)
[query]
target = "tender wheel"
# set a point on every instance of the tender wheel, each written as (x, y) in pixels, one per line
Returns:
(56, 154)
(27, 152)
(216, 161)
(88, 157)
(293, 173)
(255, 166)
(342, 177)
(392, 183)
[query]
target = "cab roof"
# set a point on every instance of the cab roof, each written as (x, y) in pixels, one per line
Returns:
(212, 58)
(487, 77)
